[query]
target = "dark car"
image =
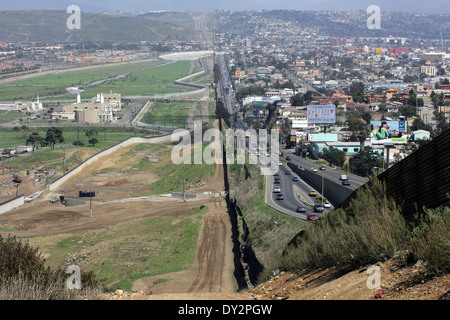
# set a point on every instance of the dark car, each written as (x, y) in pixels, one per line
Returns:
(301, 209)
(288, 158)
(280, 196)
(346, 182)
(287, 172)
(312, 217)
(276, 180)
(294, 178)
(318, 208)
(322, 168)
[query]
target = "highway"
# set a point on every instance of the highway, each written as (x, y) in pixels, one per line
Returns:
(296, 193)
(330, 174)
(226, 93)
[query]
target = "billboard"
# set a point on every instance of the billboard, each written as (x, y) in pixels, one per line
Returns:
(396, 129)
(240, 74)
(321, 114)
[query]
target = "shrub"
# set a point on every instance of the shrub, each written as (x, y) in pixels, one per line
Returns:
(24, 276)
(431, 240)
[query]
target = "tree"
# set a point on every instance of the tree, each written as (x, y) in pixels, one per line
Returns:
(34, 139)
(418, 124)
(91, 132)
(54, 135)
(438, 99)
(382, 108)
(364, 162)
(442, 124)
(408, 111)
(300, 99)
(356, 90)
(366, 116)
(93, 141)
(355, 124)
(335, 156)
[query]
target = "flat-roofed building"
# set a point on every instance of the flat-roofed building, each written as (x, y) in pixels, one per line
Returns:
(96, 111)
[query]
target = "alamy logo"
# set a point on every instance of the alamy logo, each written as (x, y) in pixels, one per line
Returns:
(240, 147)
(374, 20)
(74, 281)
(374, 279)
(74, 21)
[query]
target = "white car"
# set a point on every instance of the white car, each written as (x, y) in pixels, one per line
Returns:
(314, 169)
(277, 189)
(280, 163)
(327, 205)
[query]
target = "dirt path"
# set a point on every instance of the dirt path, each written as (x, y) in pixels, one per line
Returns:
(214, 253)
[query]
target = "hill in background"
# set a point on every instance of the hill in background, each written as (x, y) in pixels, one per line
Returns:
(51, 26)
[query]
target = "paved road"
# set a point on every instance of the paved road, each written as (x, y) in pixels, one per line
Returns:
(296, 193)
(330, 174)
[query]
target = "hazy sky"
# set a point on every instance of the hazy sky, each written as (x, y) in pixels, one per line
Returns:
(421, 6)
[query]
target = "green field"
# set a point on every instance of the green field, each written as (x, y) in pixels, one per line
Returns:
(169, 112)
(143, 82)
(54, 158)
(107, 136)
(147, 82)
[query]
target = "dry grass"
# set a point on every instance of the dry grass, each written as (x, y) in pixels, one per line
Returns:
(24, 276)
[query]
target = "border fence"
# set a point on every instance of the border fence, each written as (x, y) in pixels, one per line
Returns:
(421, 180)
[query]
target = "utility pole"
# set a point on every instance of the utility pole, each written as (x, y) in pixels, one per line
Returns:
(323, 184)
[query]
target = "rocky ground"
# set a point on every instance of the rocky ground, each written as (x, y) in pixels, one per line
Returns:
(397, 282)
